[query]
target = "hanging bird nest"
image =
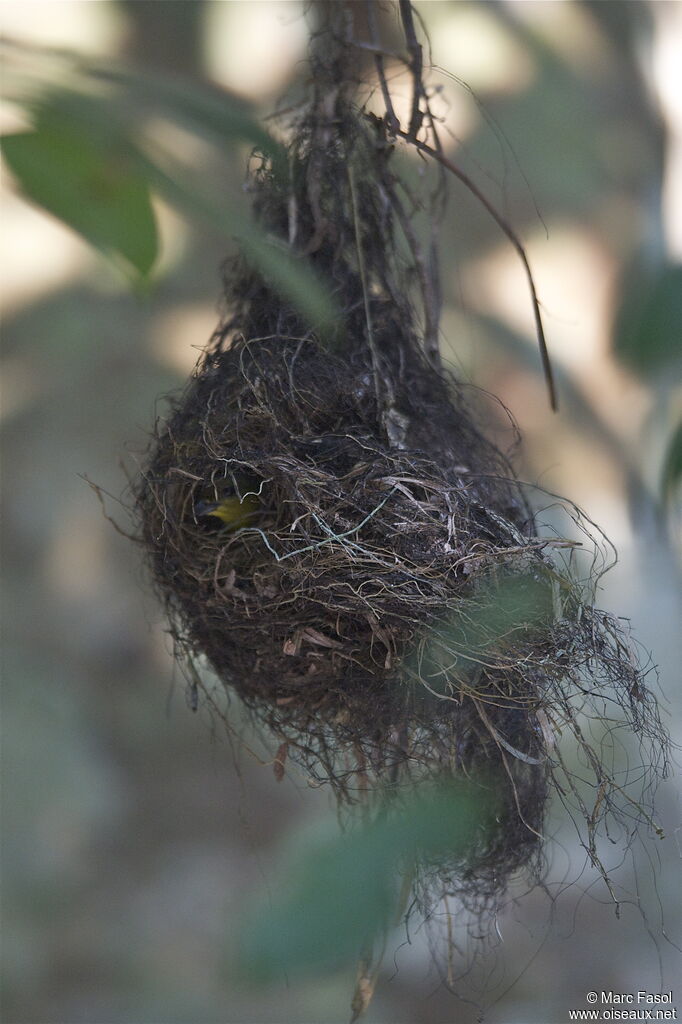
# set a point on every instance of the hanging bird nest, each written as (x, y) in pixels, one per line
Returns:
(380, 600)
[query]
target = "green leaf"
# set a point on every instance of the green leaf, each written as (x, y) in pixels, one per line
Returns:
(90, 181)
(82, 145)
(499, 616)
(649, 324)
(342, 893)
(335, 900)
(35, 71)
(672, 465)
(504, 612)
(214, 113)
(81, 164)
(293, 279)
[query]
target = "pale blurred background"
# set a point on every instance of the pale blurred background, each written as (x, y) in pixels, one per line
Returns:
(131, 844)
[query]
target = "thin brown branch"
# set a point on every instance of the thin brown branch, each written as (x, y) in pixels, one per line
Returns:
(507, 229)
(429, 296)
(392, 122)
(416, 65)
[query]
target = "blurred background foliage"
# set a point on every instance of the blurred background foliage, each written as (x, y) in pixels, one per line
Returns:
(132, 845)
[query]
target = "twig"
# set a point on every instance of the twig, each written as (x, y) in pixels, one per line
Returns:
(507, 229)
(416, 65)
(363, 277)
(429, 299)
(99, 492)
(392, 122)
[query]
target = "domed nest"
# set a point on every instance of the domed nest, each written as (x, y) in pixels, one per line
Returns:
(328, 526)
(374, 543)
(385, 609)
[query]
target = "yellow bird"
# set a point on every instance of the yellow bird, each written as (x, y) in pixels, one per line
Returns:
(232, 511)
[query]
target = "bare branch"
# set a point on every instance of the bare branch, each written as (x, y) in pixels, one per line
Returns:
(507, 229)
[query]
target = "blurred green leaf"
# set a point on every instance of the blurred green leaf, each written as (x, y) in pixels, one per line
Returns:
(82, 164)
(219, 115)
(336, 900)
(502, 613)
(672, 465)
(341, 894)
(497, 617)
(41, 74)
(293, 279)
(649, 324)
(91, 181)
